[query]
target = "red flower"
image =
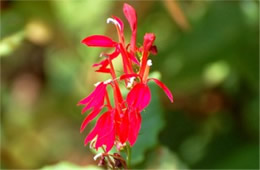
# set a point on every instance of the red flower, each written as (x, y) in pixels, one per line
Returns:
(121, 122)
(140, 96)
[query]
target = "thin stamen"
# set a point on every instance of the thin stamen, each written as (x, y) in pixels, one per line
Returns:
(108, 81)
(131, 81)
(114, 22)
(104, 55)
(96, 84)
(97, 156)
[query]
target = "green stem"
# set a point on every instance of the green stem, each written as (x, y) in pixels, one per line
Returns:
(128, 151)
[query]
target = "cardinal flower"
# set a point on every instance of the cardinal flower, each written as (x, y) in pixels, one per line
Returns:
(120, 123)
(140, 96)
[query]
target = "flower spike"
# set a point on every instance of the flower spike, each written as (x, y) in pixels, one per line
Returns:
(119, 123)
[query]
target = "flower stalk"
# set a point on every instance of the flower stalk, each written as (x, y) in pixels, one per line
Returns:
(129, 154)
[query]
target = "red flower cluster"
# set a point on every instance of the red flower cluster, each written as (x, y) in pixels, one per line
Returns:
(121, 122)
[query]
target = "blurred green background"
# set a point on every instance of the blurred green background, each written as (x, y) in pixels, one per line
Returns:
(208, 55)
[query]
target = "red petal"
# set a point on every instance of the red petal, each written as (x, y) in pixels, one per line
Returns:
(146, 98)
(164, 87)
(107, 140)
(91, 135)
(153, 50)
(89, 97)
(103, 70)
(99, 127)
(133, 58)
(130, 15)
(139, 97)
(133, 95)
(113, 54)
(95, 99)
(148, 41)
(120, 23)
(90, 117)
(127, 76)
(103, 63)
(134, 127)
(106, 132)
(95, 102)
(99, 41)
(123, 128)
